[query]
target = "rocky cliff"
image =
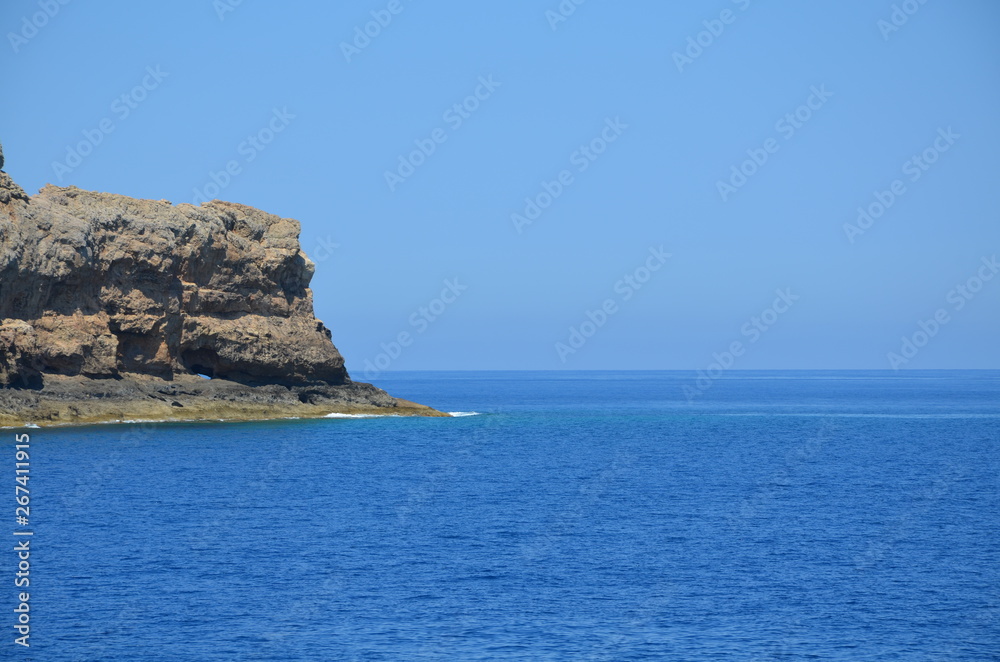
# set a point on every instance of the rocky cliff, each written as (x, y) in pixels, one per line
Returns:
(107, 294)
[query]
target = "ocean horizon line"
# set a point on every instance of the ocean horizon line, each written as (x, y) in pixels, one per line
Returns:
(908, 371)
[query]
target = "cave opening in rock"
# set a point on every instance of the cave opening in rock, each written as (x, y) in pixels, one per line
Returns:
(201, 362)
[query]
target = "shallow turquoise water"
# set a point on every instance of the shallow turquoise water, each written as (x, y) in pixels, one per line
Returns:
(579, 516)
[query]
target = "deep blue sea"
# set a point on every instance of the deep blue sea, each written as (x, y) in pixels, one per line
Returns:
(578, 516)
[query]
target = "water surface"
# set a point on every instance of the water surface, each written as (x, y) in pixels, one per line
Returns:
(579, 516)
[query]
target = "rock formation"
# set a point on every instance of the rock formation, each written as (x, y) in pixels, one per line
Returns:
(101, 291)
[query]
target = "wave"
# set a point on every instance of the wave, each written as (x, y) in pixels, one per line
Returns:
(140, 421)
(453, 414)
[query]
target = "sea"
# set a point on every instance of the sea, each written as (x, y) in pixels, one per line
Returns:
(563, 516)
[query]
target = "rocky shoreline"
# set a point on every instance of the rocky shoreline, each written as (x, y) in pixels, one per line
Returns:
(76, 401)
(114, 308)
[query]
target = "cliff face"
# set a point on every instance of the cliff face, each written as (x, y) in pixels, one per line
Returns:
(111, 308)
(104, 286)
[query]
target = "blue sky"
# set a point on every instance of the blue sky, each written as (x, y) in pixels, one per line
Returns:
(600, 119)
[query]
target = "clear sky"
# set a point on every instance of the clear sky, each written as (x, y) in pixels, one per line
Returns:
(612, 116)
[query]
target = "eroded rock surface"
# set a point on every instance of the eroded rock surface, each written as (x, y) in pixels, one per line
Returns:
(98, 286)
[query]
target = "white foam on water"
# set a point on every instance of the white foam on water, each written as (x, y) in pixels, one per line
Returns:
(141, 421)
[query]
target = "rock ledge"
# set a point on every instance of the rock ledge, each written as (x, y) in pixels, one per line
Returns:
(110, 308)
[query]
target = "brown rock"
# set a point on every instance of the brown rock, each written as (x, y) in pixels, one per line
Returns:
(97, 286)
(115, 285)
